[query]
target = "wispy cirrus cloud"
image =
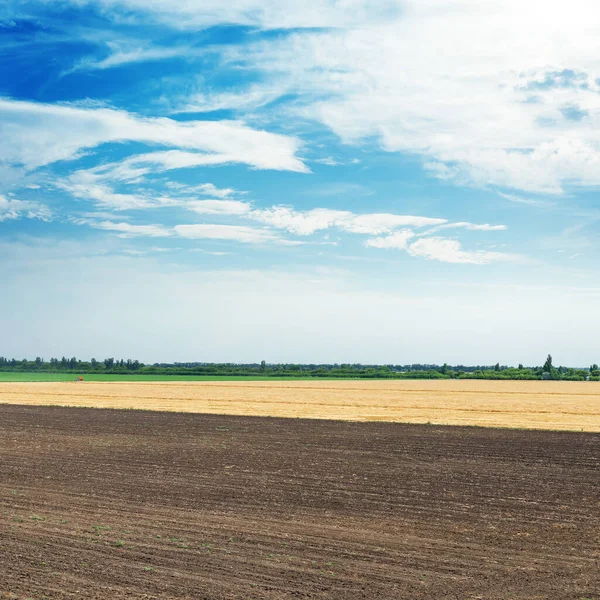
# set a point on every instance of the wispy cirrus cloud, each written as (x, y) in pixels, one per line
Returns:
(265, 14)
(12, 209)
(219, 207)
(104, 196)
(96, 185)
(42, 134)
(254, 97)
(319, 219)
(478, 110)
(129, 53)
(127, 230)
(398, 240)
(412, 233)
(235, 233)
(195, 231)
(437, 248)
(450, 251)
(528, 201)
(303, 224)
(99, 185)
(204, 189)
(468, 226)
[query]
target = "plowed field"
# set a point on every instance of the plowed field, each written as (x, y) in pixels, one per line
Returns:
(107, 504)
(527, 404)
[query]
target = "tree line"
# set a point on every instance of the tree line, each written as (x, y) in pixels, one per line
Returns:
(414, 371)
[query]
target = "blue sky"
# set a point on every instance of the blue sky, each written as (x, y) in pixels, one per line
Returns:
(343, 181)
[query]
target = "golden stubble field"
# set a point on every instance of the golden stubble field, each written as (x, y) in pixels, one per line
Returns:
(526, 404)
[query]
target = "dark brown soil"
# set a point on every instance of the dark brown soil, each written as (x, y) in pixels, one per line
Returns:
(129, 504)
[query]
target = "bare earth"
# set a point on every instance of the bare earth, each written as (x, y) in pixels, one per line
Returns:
(115, 505)
(529, 404)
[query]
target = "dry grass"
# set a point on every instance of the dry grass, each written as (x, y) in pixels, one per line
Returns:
(527, 404)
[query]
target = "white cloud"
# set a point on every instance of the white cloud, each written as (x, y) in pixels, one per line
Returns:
(450, 251)
(135, 168)
(468, 226)
(441, 249)
(172, 159)
(83, 185)
(98, 185)
(23, 209)
(211, 252)
(329, 161)
(397, 240)
(299, 223)
(126, 230)
(441, 171)
(147, 251)
(236, 233)
(317, 219)
(500, 93)
(378, 223)
(474, 226)
(218, 207)
(41, 134)
(204, 189)
(253, 97)
(528, 201)
(123, 54)
(268, 14)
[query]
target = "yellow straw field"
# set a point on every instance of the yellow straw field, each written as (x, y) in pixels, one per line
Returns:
(527, 404)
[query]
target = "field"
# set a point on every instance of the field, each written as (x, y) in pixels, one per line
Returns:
(109, 504)
(528, 404)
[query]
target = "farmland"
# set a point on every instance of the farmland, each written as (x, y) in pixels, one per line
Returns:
(529, 404)
(203, 490)
(99, 504)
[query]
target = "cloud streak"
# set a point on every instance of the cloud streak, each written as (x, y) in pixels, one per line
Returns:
(319, 219)
(234, 233)
(129, 54)
(265, 14)
(305, 224)
(450, 251)
(126, 230)
(11, 209)
(42, 134)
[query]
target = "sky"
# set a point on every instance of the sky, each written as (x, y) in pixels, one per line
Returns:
(374, 181)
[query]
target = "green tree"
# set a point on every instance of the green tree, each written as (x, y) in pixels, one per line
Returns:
(548, 364)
